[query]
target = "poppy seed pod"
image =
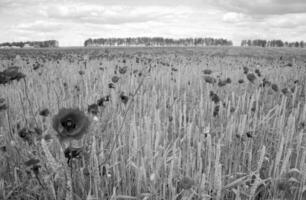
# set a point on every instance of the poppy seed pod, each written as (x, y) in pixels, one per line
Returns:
(70, 123)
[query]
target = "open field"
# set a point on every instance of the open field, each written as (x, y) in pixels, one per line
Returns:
(166, 123)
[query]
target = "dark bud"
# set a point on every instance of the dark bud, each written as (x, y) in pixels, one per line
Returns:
(274, 87)
(216, 111)
(35, 169)
(3, 105)
(245, 70)
(257, 72)
(102, 100)
(214, 97)
(174, 69)
(45, 112)
(249, 134)
(222, 83)
(124, 98)
(240, 81)
(285, 91)
(111, 86)
(3, 148)
(207, 71)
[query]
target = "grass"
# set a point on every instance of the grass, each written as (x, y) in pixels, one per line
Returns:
(170, 140)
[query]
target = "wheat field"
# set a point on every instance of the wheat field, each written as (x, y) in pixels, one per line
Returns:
(165, 123)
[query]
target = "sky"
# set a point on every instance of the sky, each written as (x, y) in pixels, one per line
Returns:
(71, 22)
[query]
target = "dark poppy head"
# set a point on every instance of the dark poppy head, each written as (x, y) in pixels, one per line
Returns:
(240, 81)
(274, 87)
(124, 98)
(3, 105)
(123, 70)
(245, 70)
(70, 123)
(209, 79)
(257, 72)
(111, 86)
(44, 112)
(207, 71)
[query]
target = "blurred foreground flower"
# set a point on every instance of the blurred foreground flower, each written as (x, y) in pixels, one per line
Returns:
(70, 123)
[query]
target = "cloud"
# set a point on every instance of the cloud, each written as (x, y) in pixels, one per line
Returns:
(73, 21)
(97, 14)
(233, 17)
(40, 26)
(261, 7)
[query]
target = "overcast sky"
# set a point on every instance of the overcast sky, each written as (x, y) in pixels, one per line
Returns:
(73, 21)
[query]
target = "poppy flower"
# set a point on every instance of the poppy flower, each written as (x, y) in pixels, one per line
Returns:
(209, 79)
(70, 123)
(245, 70)
(214, 97)
(257, 72)
(228, 81)
(115, 79)
(251, 77)
(274, 87)
(207, 71)
(123, 70)
(10, 74)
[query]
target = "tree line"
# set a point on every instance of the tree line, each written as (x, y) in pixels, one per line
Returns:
(272, 43)
(157, 41)
(36, 44)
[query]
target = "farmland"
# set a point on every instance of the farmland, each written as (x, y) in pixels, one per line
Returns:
(165, 123)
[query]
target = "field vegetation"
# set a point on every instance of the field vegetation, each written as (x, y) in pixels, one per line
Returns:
(153, 123)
